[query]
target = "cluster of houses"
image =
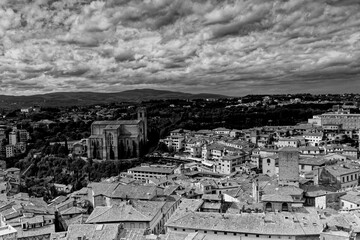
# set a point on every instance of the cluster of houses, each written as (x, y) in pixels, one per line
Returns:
(188, 202)
(227, 151)
(14, 143)
(285, 182)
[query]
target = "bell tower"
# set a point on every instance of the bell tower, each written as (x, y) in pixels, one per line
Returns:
(142, 115)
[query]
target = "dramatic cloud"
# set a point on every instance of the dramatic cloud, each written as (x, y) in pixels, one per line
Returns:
(228, 47)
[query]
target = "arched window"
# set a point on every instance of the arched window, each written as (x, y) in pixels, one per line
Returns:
(268, 207)
(111, 139)
(284, 207)
(268, 161)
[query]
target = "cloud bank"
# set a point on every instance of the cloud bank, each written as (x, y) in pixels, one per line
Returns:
(229, 47)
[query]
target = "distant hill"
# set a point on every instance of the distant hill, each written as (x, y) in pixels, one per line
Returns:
(89, 98)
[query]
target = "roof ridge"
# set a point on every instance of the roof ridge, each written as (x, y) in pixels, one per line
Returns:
(181, 217)
(100, 213)
(138, 211)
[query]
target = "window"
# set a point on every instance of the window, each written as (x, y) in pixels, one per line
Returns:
(269, 236)
(111, 139)
(234, 234)
(284, 207)
(257, 235)
(175, 229)
(246, 234)
(183, 229)
(205, 231)
(215, 232)
(225, 233)
(268, 207)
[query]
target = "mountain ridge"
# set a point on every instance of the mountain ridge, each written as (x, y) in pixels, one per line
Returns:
(90, 98)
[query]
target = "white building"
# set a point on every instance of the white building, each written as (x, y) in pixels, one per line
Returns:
(351, 200)
(313, 139)
(227, 164)
(288, 142)
(222, 131)
(10, 151)
(316, 120)
(13, 138)
(176, 142)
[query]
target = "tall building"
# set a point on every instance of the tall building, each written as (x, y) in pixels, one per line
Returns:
(112, 140)
(18, 135)
(13, 138)
(289, 166)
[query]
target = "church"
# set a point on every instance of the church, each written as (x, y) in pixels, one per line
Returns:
(113, 140)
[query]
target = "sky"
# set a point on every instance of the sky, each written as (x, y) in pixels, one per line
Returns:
(230, 47)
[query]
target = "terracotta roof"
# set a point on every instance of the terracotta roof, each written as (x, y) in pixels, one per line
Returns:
(276, 198)
(117, 190)
(79, 219)
(211, 197)
(141, 211)
(153, 170)
(93, 231)
(32, 232)
(214, 206)
(273, 188)
(352, 196)
(73, 210)
(288, 149)
(339, 170)
(135, 192)
(254, 223)
(312, 161)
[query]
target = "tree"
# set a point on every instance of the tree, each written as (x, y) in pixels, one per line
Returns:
(162, 147)
(66, 147)
(62, 151)
(55, 148)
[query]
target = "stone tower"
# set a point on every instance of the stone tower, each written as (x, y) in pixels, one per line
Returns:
(142, 115)
(289, 167)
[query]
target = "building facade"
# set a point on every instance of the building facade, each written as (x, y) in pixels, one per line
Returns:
(289, 167)
(113, 140)
(347, 121)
